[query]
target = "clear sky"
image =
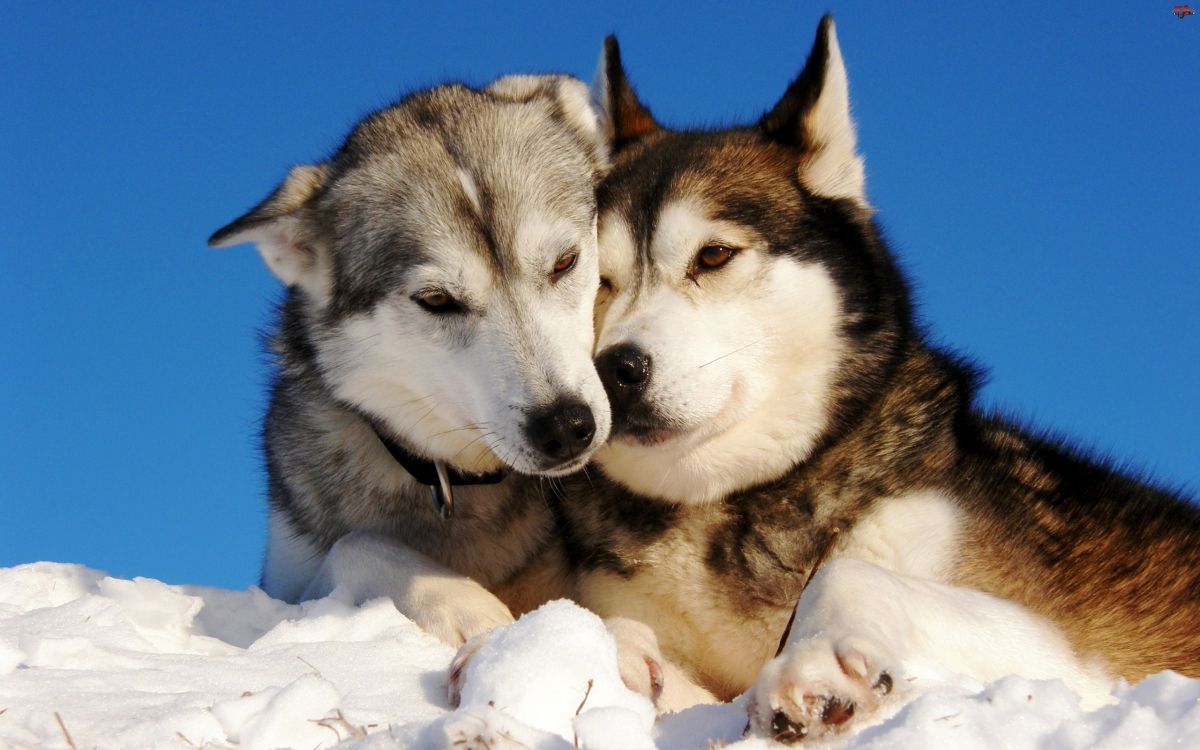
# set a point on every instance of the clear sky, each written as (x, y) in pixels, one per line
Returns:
(1036, 166)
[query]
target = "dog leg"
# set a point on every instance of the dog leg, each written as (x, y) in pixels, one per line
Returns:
(446, 604)
(858, 628)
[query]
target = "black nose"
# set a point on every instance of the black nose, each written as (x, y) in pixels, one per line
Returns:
(624, 369)
(563, 430)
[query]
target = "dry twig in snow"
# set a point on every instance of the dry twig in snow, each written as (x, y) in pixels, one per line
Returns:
(63, 727)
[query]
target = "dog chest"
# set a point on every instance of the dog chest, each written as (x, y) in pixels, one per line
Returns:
(701, 625)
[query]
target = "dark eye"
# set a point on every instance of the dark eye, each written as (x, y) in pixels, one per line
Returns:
(565, 263)
(437, 301)
(712, 257)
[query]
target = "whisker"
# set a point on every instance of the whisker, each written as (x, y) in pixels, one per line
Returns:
(479, 437)
(735, 351)
(475, 426)
(431, 409)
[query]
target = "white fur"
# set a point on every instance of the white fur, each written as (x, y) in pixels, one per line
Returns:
(470, 189)
(362, 566)
(617, 251)
(290, 562)
(575, 98)
(288, 257)
(834, 168)
(741, 360)
(280, 240)
(914, 535)
(517, 86)
(616, 266)
(598, 93)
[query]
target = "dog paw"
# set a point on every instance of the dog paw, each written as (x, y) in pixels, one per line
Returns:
(819, 687)
(455, 611)
(638, 657)
(458, 667)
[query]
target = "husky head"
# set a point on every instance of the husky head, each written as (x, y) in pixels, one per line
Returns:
(749, 307)
(441, 270)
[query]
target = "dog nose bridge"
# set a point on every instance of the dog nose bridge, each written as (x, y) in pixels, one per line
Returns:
(542, 358)
(631, 320)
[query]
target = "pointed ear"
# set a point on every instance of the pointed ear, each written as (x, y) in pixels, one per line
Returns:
(278, 226)
(814, 116)
(625, 118)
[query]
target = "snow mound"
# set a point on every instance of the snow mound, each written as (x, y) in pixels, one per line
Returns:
(93, 661)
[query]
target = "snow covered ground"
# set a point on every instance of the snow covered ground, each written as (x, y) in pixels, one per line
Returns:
(92, 661)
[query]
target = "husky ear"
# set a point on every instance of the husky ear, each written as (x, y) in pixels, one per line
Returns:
(814, 116)
(574, 103)
(625, 118)
(277, 226)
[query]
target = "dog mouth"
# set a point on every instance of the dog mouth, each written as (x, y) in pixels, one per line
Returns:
(567, 467)
(650, 435)
(657, 437)
(642, 425)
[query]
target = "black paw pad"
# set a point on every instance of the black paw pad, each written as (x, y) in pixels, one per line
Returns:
(784, 730)
(883, 685)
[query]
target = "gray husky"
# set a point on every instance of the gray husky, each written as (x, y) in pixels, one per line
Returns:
(434, 351)
(773, 399)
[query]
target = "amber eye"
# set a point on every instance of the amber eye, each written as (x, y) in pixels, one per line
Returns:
(712, 257)
(437, 301)
(565, 263)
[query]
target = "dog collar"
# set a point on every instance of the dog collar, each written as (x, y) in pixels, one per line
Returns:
(435, 474)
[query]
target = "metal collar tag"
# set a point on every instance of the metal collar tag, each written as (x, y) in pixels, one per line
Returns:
(435, 475)
(443, 493)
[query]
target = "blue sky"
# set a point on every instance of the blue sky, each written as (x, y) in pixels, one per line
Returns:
(1037, 168)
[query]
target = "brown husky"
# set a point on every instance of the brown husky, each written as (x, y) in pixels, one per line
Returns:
(772, 396)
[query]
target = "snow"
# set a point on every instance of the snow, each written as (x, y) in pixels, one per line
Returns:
(139, 663)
